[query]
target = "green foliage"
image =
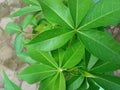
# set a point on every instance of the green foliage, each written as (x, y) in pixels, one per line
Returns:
(26, 10)
(68, 49)
(9, 85)
(12, 28)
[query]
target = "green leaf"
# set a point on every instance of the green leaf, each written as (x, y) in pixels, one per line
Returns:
(58, 55)
(93, 85)
(74, 54)
(84, 85)
(12, 28)
(86, 58)
(106, 67)
(42, 57)
(33, 2)
(51, 39)
(101, 45)
(54, 83)
(60, 82)
(79, 9)
(18, 43)
(104, 13)
(9, 85)
(26, 10)
(61, 56)
(37, 72)
(75, 82)
(49, 83)
(56, 12)
(27, 21)
(108, 82)
(92, 62)
(25, 57)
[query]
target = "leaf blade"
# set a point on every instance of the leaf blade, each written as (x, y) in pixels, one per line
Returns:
(27, 21)
(78, 6)
(106, 67)
(26, 10)
(51, 39)
(104, 13)
(108, 82)
(9, 85)
(25, 57)
(54, 83)
(100, 42)
(93, 60)
(12, 28)
(75, 82)
(41, 56)
(60, 14)
(35, 2)
(18, 43)
(73, 55)
(38, 71)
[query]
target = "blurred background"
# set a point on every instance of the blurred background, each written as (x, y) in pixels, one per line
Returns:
(8, 59)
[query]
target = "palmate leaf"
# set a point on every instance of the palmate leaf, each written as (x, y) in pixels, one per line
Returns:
(57, 12)
(101, 45)
(57, 82)
(79, 9)
(51, 39)
(8, 84)
(104, 13)
(36, 72)
(108, 82)
(73, 54)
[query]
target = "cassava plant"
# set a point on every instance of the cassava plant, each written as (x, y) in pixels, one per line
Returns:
(69, 47)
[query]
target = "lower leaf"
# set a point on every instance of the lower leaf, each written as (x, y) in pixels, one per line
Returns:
(54, 83)
(75, 82)
(36, 72)
(108, 82)
(9, 85)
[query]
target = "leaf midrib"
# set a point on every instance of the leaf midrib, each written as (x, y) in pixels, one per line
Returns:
(15, 29)
(97, 19)
(37, 73)
(56, 36)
